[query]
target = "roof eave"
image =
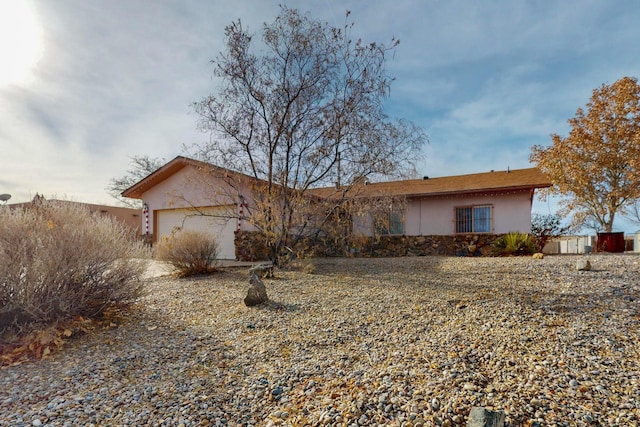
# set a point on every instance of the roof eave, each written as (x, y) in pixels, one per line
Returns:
(476, 191)
(139, 188)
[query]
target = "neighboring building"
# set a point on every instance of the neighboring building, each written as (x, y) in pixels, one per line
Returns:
(635, 241)
(570, 245)
(181, 195)
(128, 216)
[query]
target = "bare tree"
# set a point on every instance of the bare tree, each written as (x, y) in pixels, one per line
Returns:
(633, 212)
(142, 166)
(304, 112)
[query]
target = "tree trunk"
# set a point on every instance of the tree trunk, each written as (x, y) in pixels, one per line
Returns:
(608, 226)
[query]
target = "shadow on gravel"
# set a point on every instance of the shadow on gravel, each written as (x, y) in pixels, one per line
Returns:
(276, 306)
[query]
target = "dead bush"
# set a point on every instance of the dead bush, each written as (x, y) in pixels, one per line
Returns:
(190, 252)
(59, 260)
(309, 267)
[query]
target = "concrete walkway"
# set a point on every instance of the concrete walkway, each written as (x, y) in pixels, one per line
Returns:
(157, 268)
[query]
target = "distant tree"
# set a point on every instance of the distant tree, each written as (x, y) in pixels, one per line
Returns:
(142, 166)
(546, 227)
(597, 167)
(634, 212)
(304, 112)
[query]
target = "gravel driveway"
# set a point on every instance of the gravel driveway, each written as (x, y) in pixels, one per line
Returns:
(400, 341)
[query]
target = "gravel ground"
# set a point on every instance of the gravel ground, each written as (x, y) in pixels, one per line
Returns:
(401, 341)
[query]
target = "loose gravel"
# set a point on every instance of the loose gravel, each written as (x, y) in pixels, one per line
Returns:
(399, 341)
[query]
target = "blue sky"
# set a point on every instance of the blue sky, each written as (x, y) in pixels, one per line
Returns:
(106, 80)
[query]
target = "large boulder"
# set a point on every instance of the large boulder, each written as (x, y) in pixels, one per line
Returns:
(482, 417)
(583, 265)
(257, 293)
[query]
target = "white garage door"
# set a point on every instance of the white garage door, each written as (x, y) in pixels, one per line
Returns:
(215, 221)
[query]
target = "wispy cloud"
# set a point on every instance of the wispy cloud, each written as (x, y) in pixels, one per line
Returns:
(485, 79)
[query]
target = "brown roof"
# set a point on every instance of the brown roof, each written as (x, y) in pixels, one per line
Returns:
(518, 179)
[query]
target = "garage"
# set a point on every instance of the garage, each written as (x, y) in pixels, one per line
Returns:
(218, 221)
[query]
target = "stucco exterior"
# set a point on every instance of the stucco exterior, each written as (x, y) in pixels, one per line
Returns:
(435, 216)
(493, 202)
(193, 188)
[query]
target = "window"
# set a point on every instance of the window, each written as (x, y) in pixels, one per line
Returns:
(390, 223)
(473, 219)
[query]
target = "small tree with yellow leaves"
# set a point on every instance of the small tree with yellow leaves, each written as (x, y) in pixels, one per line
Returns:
(597, 167)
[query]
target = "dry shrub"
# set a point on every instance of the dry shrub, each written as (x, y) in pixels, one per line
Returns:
(308, 267)
(59, 260)
(190, 252)
(305, 265)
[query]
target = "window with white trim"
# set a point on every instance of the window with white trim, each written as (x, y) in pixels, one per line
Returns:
(474, 219)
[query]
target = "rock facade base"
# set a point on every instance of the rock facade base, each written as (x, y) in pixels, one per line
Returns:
(250, 246)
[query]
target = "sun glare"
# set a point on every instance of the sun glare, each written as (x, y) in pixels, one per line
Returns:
(20, 41)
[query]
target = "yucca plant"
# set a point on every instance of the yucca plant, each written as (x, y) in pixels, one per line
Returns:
(514, 243)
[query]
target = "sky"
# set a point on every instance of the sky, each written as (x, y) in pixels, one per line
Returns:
(87, 84)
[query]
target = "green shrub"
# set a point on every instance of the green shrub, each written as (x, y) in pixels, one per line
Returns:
(514, 244)
(58, 260)
(190, 252)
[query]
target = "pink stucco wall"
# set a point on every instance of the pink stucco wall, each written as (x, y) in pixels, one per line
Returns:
(188, 188)
(435, 216)
(424, 216)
